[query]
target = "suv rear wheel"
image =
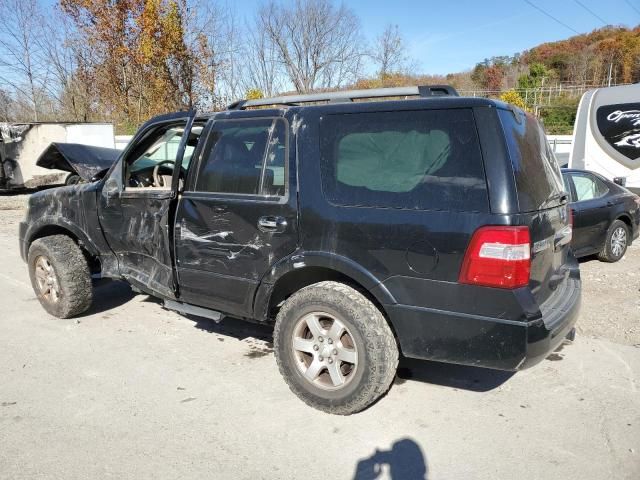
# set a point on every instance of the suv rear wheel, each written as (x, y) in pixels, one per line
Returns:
(60, 276)
(615, 245)
(334, 348)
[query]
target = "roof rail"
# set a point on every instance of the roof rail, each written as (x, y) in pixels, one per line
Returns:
(349, 96)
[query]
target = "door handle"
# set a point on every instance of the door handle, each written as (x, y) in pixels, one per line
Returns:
(272, 224)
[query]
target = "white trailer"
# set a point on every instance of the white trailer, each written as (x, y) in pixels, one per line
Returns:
(606, 135)
(22, 144)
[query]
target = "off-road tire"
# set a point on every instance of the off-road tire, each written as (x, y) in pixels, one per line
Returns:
(606, 254)
(71, 270)
(374, 341)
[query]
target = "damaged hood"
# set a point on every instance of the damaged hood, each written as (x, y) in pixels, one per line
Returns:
(84, 160)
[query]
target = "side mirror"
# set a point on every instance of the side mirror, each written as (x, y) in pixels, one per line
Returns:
(622, 181)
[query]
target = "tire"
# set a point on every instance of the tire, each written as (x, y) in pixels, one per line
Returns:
(616, 242)
(60, 276)
(354, 344)
(72, 179)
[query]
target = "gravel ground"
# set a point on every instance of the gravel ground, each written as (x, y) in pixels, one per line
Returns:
(132, 391)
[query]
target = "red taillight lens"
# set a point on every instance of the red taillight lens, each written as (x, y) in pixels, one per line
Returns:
(498, 257)
(571, 217)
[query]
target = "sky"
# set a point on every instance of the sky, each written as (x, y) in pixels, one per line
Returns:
(447, 36)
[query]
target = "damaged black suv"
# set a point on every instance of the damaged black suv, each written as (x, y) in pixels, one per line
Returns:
(428, 225)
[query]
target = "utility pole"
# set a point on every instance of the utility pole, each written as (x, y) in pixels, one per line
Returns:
(610, 68)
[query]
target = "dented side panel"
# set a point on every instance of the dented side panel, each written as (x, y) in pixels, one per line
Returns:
(72, 208)
(222, 254)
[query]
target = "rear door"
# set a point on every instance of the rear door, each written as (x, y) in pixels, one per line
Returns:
(590, 211)
(238, 214)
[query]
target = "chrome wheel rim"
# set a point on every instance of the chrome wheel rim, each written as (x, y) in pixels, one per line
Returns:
(324, 351)
(47, 280)
(618, 241)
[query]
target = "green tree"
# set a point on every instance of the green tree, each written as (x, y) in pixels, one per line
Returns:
(537, 71)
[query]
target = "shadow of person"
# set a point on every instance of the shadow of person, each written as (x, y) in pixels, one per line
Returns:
(405, 460)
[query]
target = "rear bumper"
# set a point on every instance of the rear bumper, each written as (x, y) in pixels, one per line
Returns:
(489, 342)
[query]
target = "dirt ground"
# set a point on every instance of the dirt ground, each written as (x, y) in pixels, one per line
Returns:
(132, 391)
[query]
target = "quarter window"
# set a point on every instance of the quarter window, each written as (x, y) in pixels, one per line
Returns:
(427, 160)
(244, 157)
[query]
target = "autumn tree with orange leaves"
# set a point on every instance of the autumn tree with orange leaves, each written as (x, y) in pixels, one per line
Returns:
(140, 63)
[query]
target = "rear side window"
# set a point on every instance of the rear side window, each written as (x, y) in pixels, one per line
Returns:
(427, 160)
(588, 187)
(538, 177)
(246, 157)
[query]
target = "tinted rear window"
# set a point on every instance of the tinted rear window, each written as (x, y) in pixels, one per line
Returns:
(538, 177)
(427, 160)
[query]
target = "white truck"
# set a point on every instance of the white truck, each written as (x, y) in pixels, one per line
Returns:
(35, 154)
(606, 135)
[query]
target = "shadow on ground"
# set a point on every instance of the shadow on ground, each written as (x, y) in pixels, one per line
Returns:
(588, 258)
(108, 294)
(475, 379)
(404, 461)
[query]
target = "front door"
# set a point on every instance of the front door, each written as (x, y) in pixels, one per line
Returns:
(136, 201)
(237, 215)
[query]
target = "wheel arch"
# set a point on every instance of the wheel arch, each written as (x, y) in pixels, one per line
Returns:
(46, 228)
(626, 219)
(304, 269)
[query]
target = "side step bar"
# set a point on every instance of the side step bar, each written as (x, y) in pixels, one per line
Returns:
(193, 310)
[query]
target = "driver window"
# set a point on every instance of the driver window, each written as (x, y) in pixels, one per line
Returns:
(151, 165)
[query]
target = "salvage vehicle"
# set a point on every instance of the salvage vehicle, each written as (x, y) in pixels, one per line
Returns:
(37, 154)
(606, 216)
(362, 224)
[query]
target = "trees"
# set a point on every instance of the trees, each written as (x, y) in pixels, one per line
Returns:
(317, 44)
(139, 56)
(534, 79)
(21, 65)
(389, 52)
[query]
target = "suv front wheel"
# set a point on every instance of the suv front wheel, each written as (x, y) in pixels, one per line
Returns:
(60, 276)
(334, 348)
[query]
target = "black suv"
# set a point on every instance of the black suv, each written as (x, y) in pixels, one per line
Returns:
(434, 226)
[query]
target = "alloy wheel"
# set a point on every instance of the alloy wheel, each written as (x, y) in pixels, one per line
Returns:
(618, 241)
(47, 280)
(324, 350)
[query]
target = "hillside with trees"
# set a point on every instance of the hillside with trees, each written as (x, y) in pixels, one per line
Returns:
(96, 60)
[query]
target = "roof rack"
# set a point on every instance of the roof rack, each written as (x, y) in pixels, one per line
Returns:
(349, 96)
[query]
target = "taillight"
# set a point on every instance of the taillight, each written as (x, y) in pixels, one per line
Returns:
(498, 257)
(571, 217)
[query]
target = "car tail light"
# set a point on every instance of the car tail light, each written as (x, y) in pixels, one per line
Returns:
(571, 218)
(498, 257)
